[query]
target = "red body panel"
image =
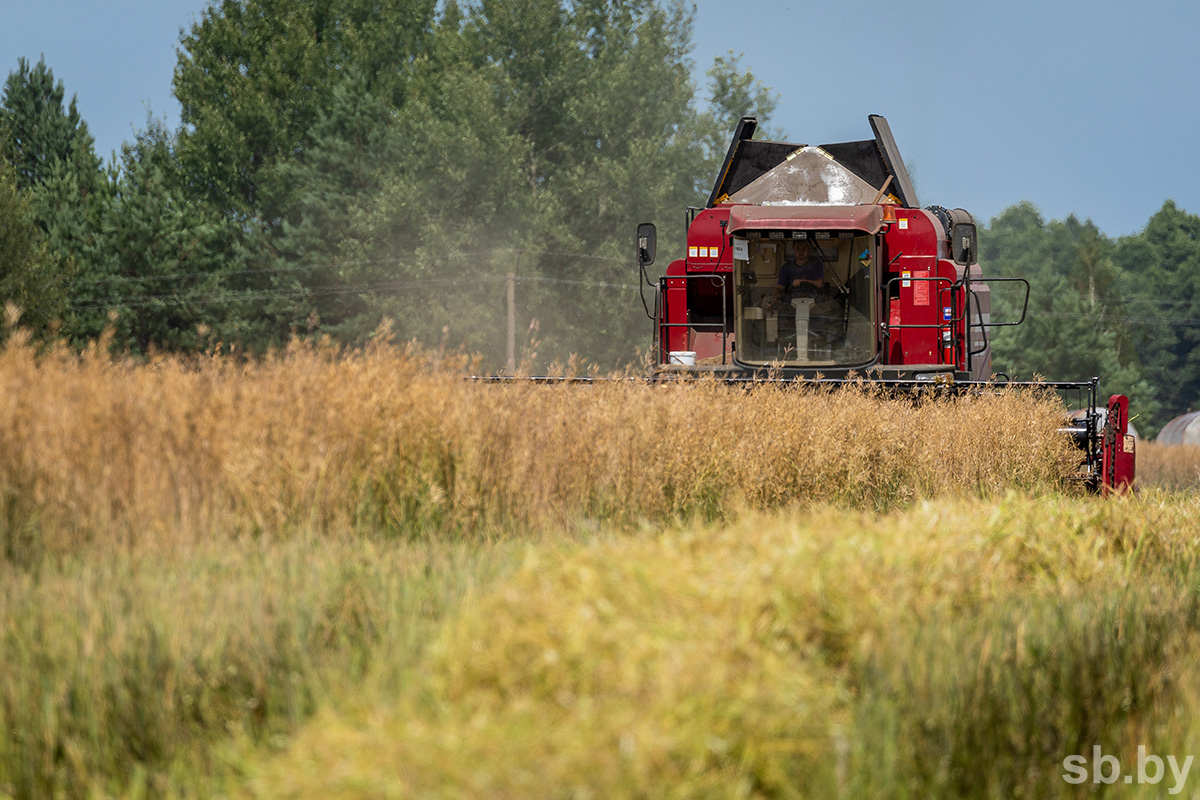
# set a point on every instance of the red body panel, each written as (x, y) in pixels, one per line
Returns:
(1118, 453)
(674, 336)
(691, 297)
(707, 244)
(911, 253)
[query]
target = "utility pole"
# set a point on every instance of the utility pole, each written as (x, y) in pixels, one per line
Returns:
(511, 286)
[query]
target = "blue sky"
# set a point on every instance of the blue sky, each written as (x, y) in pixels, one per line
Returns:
(1078, 107)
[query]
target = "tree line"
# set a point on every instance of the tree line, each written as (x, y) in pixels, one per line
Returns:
(338, 164)
(1126, 309)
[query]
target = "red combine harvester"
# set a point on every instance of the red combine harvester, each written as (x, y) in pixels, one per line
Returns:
(816, 263)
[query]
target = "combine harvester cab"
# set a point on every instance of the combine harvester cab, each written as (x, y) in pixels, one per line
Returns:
(816, 263)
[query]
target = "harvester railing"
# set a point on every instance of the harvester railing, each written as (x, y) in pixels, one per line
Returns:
(938, 325)
(943, 322)
(983, 326)
(722, 278)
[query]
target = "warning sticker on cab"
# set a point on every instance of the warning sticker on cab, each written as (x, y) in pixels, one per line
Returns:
(921, 293)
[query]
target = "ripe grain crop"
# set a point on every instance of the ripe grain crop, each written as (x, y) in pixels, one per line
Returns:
(392, 440)
(1168, 466)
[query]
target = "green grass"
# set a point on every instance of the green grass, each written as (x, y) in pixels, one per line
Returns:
(954, 650)
(127, 669)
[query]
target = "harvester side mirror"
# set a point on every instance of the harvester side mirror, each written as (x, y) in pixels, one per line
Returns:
(963, 243)
(647, 236)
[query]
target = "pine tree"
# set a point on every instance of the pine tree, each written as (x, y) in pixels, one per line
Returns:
(1076, 324)
(27, 277)
(54, 162)
(1161, 275)
(39, 134)
(333, 279)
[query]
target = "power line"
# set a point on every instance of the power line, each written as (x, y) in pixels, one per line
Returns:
(211, 298)
(209, 295)
(332, 264)
(141, 301)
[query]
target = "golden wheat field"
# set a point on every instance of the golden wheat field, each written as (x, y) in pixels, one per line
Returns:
(1169, 467)
(332, 574)
(112, 451)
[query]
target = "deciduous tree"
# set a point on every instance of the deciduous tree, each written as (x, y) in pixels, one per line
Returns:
(254, 76)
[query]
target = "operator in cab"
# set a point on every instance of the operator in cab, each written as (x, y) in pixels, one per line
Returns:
(802, 274)
(802, 278)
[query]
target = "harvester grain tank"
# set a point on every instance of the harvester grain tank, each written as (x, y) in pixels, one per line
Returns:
(817, 263)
